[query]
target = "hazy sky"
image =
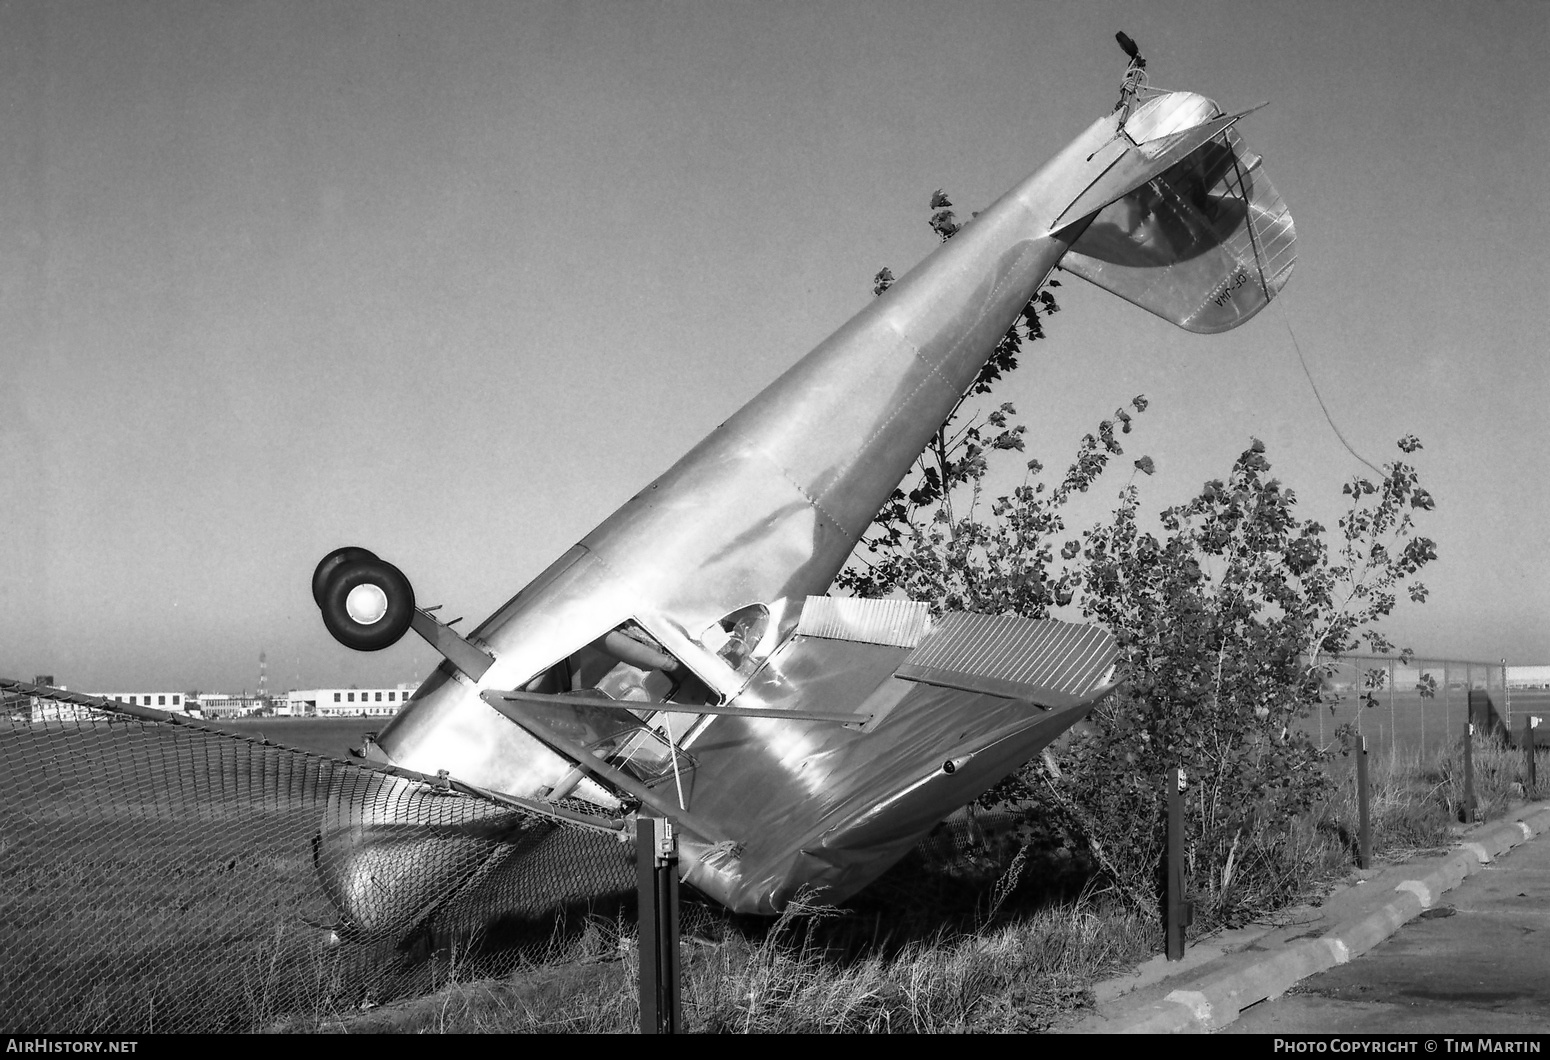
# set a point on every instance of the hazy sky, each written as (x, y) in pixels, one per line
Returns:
(453, 280)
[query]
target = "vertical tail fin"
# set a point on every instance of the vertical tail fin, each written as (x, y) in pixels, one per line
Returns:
(1206, 244)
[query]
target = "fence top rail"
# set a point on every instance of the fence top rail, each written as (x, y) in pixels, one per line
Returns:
(1413, 660)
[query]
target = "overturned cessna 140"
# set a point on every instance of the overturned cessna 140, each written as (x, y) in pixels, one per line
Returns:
(682, 659)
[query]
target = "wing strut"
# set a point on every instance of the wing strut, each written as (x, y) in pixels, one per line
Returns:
(518, 712)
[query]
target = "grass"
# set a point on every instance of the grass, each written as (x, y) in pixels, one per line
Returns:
(1016, 975)
(954, 938)
(1415, 805)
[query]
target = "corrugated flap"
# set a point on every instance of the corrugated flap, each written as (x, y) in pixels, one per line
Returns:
(898, 623)
(1044, 661)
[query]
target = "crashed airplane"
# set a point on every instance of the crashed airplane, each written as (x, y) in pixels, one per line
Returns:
(682, 660)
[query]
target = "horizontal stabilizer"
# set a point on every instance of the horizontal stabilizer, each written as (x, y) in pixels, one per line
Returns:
(1206, 244)
(1045, 662)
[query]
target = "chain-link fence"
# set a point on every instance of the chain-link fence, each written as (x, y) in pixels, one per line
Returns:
(1413, 705)
(158, 875)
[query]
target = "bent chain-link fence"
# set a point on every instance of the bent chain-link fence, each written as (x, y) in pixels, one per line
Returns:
(159, 875)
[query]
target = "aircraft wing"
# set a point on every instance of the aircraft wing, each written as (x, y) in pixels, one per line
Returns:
(867, 727)
(1043, 662)
(942, 710)
(1046, 662)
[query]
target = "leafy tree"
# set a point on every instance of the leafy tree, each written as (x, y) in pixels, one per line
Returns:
(1226, 624)
(918, 543)
(1226, 627)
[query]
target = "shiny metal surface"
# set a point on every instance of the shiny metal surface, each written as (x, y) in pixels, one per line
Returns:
(1047, 662)
(902, 623)
(710, 567)
(769, 506)
(1205, 245)
(831, 807)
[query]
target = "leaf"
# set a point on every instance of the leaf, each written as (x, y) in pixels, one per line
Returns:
(1146, 466)
(943, 223)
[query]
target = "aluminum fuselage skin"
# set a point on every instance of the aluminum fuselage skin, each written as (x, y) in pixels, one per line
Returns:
(768, 507)
(766, 510)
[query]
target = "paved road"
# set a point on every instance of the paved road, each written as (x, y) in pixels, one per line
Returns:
(1456, 942)
(1485, 969)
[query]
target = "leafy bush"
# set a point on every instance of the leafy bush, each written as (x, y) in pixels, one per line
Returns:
(1225, 626)
(1228, 625)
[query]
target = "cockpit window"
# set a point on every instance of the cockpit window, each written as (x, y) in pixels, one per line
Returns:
(739, 636)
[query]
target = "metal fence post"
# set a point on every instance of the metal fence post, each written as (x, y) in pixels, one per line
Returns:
(1506, 697)
(656, 867)
(1469, 773)
(1530, 766)
(1364, 826)
(1446, 705)
(1177, 913)
(1394, 718)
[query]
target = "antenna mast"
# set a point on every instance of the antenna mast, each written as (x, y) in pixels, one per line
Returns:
(1135, 77)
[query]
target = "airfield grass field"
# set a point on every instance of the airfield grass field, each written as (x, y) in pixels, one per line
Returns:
(327, 736)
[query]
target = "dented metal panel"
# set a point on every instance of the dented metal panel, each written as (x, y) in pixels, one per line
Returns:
(902, 623)
(1045, 661)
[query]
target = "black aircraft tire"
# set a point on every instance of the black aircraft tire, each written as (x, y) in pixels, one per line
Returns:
(332, 562)
(394, 621)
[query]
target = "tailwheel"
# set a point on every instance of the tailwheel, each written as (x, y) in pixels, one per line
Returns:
(367, 603)
(332, 562)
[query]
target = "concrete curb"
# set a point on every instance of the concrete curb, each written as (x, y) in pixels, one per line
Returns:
(1246, 978)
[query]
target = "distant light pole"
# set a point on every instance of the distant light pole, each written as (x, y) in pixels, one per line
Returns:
(1506, 696)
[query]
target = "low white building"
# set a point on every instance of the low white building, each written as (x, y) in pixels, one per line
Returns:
(1528, 677)
(42, 709)
(348, 702)
(171, 701)
(46, 708)
(230, 705)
